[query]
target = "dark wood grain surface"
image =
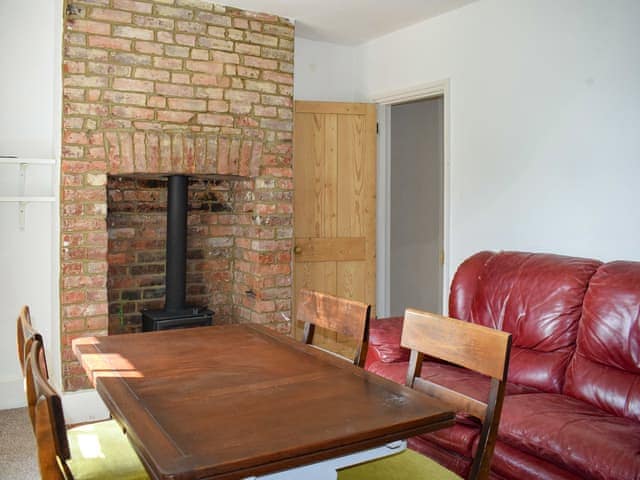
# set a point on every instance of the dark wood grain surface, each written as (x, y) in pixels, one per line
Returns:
(227, 402)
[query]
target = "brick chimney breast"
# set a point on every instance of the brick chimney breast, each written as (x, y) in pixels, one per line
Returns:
(158, 87)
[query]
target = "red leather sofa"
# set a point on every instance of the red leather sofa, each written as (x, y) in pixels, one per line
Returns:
(572, 405)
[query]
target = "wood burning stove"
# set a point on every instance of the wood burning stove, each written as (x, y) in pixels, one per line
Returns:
(176, 313)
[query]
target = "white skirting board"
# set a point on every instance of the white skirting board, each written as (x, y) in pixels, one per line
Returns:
(83, 406)
(79, 407)
(12, 394)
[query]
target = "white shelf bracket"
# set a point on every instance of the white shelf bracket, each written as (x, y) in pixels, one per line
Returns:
(22, 178)
(22, 199)
(22, 207)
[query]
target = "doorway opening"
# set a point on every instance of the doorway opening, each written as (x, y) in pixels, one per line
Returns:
(413, 201)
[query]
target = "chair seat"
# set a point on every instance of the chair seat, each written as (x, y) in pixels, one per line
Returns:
(101, 451)
(407, 465)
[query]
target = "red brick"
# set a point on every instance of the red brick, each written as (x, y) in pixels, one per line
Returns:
(74, 296)
(85, 81)
(180, 13)
(184, 39)
(153, 22)
(139, 152)
(155, 101)
(248, 72)
(242, 96)
(215, 119)
(74, 67)
(176, 51)
(262, 63)
(85, 109)
(263, 111)
(286, 78)
(87, 54)
(248, 49)
(133, 6)
(132, 32)
(271, 124)
(110, 15)
(174, 90)
(260, 86)
(218, 106)
(224, 57)
(80, 138)
(240, 23)
(88, 26)
(187, 104)
(205, 67)
(184, 78)
(133, 85)
(168, 63)
(149, 47)
(151, 74)
(212, 80)
(260, 39)
(109, 42)
(175, 117)
(215, 44)
(125, 97)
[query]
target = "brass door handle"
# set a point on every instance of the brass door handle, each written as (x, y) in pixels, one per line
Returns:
(297, 250)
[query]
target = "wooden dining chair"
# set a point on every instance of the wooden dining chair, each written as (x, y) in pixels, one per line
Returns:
(475, 347)
(93, 451)
(26, 334)
(345, 317)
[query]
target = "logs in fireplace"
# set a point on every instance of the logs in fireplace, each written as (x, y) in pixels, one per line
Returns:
(176, 313)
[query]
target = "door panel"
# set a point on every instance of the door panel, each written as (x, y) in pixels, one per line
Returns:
(334, 205)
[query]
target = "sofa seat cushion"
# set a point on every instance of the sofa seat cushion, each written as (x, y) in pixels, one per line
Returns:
(459, 379)
(572, 434)
(384, 340)
(461, 437)
(510, 462)
(455, 462)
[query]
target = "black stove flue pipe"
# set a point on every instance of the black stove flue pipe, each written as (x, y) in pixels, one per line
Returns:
(176, 266)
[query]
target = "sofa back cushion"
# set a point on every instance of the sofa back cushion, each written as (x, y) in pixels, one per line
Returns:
(535, 297)
(605, 370)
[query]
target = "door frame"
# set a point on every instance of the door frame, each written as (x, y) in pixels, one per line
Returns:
(384, 103)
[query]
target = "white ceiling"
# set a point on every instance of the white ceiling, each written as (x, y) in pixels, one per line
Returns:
(349, 22)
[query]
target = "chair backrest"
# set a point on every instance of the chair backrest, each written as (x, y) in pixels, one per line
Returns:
(475, 347)
(345, 317)
(26, 334)
(47, 416)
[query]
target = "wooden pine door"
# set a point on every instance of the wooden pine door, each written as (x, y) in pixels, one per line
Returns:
(335, 199)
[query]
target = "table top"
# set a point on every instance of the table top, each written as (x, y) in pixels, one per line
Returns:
(232, 401)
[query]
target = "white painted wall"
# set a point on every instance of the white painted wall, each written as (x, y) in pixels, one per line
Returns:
(30, 123)
(28, 128)
(545, 121)
(326, 72)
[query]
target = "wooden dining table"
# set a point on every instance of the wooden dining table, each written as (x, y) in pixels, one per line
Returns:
(237, 401)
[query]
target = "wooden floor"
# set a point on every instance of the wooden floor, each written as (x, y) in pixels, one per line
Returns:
(17, 446)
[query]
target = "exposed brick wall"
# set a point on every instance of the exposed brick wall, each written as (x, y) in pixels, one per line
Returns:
(175, 86)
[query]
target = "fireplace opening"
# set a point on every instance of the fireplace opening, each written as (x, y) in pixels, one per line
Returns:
(143, 278)
(176, 313)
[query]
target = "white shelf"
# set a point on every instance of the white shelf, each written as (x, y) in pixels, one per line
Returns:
(22, 199)
(27, 199)
(7, 160)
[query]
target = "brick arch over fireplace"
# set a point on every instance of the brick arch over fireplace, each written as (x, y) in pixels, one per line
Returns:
(158, 87)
